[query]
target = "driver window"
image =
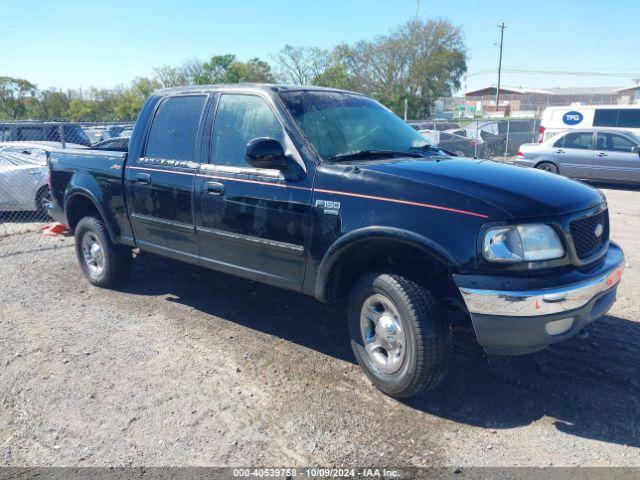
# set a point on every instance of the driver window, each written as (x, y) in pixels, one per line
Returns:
(239, 119)
(614, 143)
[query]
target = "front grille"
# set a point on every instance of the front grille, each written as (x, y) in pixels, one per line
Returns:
(583, 231)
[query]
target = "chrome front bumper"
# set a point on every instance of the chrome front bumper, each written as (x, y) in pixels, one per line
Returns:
(539, 302)
(518, 320)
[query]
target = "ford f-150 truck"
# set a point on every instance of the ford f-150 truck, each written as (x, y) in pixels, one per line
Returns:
(330, 194)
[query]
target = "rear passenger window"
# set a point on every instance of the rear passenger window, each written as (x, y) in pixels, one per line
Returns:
(175, 128)
(629, 118)
(605, 118)
(583, 140)
(240, 119)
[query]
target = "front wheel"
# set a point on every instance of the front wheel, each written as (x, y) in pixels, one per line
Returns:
(547, 167)
(399, 334)
(103, 263)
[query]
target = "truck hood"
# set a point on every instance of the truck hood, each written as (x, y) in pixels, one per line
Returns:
(518, 192)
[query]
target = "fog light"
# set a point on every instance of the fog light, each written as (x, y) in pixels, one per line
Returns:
(559, 327)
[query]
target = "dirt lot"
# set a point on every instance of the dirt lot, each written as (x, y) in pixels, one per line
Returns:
(190, 367)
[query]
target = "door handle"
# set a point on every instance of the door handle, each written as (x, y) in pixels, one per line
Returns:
(214, 188)
(559, 151)
(602, 154)
(34, 172)
(143, 178)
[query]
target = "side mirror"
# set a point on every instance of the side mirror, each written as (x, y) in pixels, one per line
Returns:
(635, 149)
(264, 152)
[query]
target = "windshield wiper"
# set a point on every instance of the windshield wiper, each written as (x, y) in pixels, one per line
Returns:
(373, 153)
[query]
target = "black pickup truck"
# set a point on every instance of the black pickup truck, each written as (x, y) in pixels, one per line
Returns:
(330, 194)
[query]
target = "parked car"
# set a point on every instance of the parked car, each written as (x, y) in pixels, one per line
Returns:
(23, 177)
(432, 125)
(625, 118)
(95, 134)
(461, 146)
(496, 132)
(118, 144)
(43, 131)
(328, 193)
(116, 131)
(589, 154)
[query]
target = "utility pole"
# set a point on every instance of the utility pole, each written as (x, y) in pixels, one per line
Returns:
(501, 27)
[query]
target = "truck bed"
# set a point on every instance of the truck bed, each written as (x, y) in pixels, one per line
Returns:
(92, 173)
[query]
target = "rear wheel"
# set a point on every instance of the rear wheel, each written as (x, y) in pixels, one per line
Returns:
(103, 263)
(42, 201)
(398, 334)
(547, 167)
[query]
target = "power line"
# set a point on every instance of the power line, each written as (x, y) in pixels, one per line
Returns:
(533, 71)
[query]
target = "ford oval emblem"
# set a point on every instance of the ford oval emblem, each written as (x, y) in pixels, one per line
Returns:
(572, 118)
(599, 230)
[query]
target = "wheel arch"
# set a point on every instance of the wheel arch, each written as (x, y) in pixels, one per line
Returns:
(80, 203)
(546, 160)
(378, 248)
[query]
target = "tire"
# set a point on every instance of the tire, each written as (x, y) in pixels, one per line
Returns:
(103, 263)
(416, 345)
(43, 197)
(547, 167)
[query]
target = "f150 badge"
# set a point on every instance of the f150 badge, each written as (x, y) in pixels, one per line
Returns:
(330, 207)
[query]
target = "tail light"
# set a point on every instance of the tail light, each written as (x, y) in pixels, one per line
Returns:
(520, 154)
(540, 134)
(473, 143)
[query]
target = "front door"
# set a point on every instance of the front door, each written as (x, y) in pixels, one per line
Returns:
(251, 222)
(614, 159)
(160, 183)
(573, 153)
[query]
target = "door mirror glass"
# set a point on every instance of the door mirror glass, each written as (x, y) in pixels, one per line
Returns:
(265, 152)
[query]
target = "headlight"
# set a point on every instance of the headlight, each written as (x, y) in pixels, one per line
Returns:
(521, 243)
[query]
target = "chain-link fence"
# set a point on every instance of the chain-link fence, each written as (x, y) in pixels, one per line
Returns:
(494, 139)
(24, 149)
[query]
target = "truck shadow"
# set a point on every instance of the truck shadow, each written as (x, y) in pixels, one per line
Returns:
(613, 186)
(591, 387)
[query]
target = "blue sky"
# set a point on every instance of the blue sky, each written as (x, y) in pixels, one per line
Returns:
(78, 43)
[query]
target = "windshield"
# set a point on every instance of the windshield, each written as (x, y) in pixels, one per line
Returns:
(339, 123)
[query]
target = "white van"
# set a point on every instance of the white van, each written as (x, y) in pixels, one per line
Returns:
(611, 117)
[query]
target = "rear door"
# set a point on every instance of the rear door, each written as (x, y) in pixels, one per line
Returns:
(251, 222)
(573, 153)
(160, 182)
(614, 160)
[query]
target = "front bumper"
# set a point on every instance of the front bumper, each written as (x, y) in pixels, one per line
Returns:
(515, 316)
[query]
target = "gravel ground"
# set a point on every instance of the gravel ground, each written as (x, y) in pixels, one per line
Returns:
(188, 367)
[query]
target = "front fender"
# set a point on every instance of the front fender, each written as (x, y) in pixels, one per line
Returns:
(348, 240)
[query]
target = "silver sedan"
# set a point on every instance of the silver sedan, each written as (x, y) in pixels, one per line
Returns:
(589, 154)
(23, 177)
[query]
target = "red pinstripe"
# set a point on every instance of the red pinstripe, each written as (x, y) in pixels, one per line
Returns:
(332, 192)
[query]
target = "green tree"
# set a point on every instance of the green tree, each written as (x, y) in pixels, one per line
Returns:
(420, 61)
(50, 105)
(16, 96)
(80, 110)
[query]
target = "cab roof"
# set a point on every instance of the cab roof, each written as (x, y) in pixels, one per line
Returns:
(270, 87)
